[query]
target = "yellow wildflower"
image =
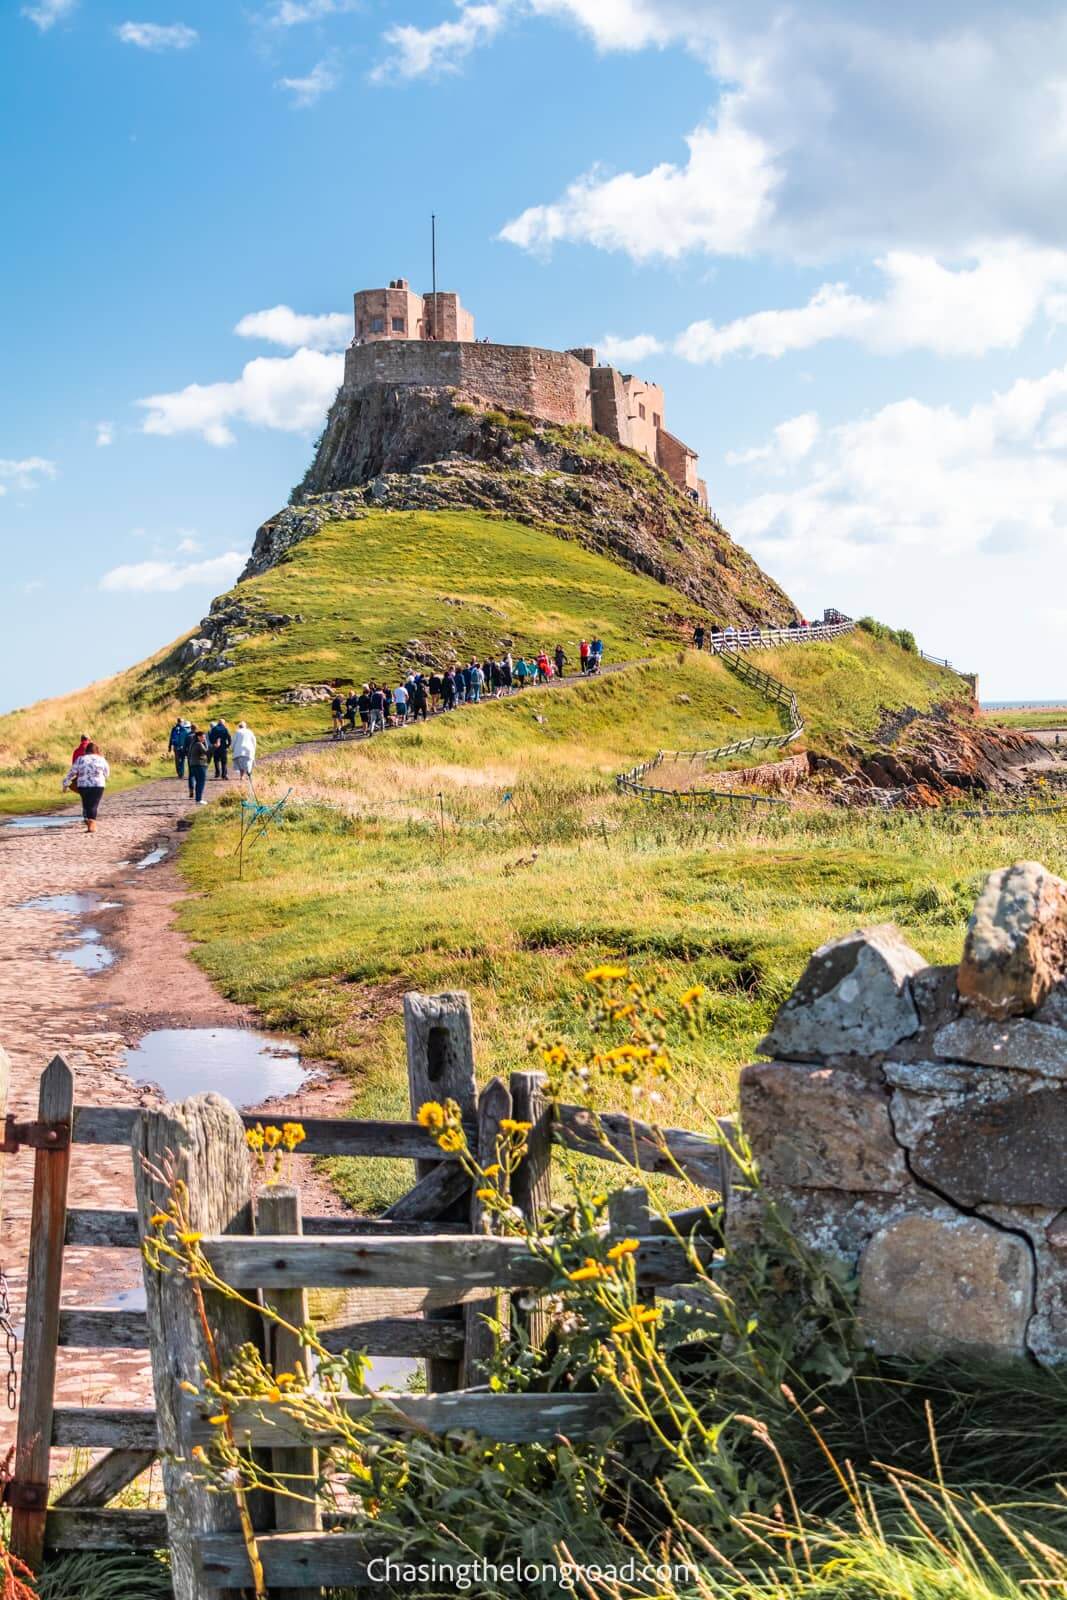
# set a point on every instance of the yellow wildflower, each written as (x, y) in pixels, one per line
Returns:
(691, 995)
(159, 1219)
(198, 1453)
(217, 1420)
(293, 1134)
(273, 1395)
(605, 974)
(254, 1137)
(451, 1139)
(509, 1125)
(189, 1388)
(272, 1138)
(646, 1314)
(485, 1194)
(190, 1238)
(493, 1171)
(622, 1327)
(625, 1247)
(431, 1115)
(584, 1274)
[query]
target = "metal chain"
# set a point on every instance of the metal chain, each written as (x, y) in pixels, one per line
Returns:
(11, 1342)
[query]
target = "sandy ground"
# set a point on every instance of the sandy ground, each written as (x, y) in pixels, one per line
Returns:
(49, 1006)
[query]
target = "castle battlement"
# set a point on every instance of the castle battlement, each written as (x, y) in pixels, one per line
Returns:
(395, 343)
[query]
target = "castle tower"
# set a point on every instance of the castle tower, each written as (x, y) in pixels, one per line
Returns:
(399, 313)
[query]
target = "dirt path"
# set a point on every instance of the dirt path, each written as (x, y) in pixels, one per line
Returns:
(48, 1005)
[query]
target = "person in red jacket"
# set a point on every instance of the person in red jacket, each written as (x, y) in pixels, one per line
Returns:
(80, 748)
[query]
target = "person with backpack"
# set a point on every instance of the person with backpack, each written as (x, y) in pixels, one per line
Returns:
(196, 760)
(337, 710)
(179, 738)
(377, 710)
(542, 667)
(219, 742)
(561, 660)
(418, 699)
(583, 655)
(400, 704)
(435, 691)
(88, 776)
(698, 636)
(244, 750)
(476, 680)
(351, 710)
(596, 652)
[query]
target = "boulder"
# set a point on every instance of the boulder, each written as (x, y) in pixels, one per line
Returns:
(1006, 1151)
(940, 1284)
(815, 1127)
(1015, 951)
(854, 999)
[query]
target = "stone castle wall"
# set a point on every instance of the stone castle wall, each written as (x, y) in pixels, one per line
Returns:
(912, 1124)
(549, 384)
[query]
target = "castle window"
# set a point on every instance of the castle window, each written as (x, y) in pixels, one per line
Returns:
(641, 412)
(398, 324)
(377, 324)
(656, 422)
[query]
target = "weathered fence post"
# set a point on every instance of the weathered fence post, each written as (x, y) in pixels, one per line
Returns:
(28, 1493)
(440, 1046)
(494, 1104)
(531, 1185)
(278, 1211)
(203, 1141)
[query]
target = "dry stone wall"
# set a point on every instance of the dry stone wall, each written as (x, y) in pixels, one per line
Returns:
(912, 1123)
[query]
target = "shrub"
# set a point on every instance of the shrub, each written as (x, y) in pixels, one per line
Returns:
(881, 630)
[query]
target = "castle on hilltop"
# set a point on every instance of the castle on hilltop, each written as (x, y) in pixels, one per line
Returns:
(428, 341)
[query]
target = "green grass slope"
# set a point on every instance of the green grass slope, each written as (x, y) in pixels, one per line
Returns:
(374, 597)
(490, 851)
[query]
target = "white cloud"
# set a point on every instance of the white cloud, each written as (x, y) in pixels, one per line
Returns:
(862, 128)
(291, 13)
(791, 442)
(289, 393)
(294, 330)
(952, 310)
(32, 585)
(618, 351)
(189, 545)
(156, 36)
(163, 577)
(308, 90)
(720, 201)
(105, 434)
(46, 13)
(25, 474)
(429, 52)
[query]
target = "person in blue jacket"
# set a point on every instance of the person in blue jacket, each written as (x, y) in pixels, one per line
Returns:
(178, 744)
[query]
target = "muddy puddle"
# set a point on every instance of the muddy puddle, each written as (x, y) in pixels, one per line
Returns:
(242, 1065)
(86, 951)
(59, 820)
(152, 859)
(84, 948)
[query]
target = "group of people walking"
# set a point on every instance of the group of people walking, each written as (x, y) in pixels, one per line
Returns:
(194, 749)
(421, 694)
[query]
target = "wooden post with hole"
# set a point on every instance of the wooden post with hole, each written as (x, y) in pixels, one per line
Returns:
(439, 1032)
(531, 1185)
(278, 1211)
(28, 1491)
(201, 1142)
(494, 1104)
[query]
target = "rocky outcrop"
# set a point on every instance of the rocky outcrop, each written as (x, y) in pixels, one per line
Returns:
(411, 449)
(228, 622)
(910, 1137)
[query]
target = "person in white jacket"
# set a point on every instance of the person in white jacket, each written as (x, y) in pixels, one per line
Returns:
(243, 749)
(88, 775)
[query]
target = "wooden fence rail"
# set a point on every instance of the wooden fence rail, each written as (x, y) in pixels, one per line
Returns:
(419, 1281)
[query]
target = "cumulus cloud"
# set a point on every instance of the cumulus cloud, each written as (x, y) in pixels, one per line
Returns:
(105, 434)
(157, 37)
(918, 477)
(428, 52)
(289, 393)
(46, 13)
(293, 330)
(860, 127)
(291, 13)
(963, 310)
(719, 200)
(26, 473)
(163, 577)
(618, 351)
(790, 443)
(308, 90)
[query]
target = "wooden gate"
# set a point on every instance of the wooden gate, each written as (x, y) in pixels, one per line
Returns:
(423, 1271)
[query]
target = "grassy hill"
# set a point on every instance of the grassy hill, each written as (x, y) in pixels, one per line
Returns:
(373, 597)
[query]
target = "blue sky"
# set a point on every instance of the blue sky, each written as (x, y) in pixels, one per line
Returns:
(835, 233)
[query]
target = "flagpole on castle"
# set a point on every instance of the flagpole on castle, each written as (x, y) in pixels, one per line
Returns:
(433, 274)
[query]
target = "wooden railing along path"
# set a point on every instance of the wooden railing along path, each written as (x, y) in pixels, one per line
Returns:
(420, 1279)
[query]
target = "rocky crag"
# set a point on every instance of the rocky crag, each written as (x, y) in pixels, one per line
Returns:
(911, 1126)
(412, 449)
